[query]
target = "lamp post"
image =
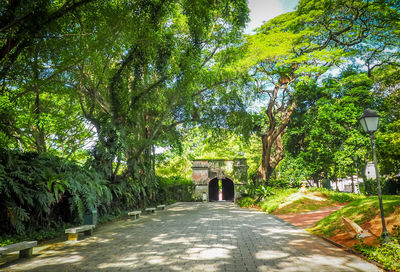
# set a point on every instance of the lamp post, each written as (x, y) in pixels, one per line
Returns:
(369, 121)
(355, 158)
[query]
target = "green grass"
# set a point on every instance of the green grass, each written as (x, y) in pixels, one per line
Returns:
(303, 205)
(338, 197)
(359, 211)
(272, 202)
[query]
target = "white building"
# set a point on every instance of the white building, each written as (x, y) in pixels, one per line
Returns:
(370, 171)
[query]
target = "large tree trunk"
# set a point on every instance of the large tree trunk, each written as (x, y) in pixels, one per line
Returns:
(38, 131)
(272, 140)
(37, 128)
(271, 156)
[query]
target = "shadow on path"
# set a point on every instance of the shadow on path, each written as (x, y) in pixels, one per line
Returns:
(195, 237)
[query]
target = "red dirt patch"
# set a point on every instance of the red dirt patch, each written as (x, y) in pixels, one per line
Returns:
(374, 226)
(305, 220)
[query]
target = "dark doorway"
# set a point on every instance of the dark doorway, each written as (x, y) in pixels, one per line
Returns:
(213, 188)
(228, 190)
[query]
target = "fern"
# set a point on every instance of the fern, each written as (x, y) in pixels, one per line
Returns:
(17, 216)
(77, 207)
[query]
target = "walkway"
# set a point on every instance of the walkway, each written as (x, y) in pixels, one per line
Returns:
(196, 237)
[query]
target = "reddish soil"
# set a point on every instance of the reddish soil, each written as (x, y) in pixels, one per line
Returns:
(374, 226)
(305, 220)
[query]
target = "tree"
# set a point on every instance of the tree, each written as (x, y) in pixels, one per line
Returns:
(277, 68)
(324, 131)
(135, 86)
(299, 47)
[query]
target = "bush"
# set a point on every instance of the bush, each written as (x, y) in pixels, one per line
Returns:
(392, 186)
(282, 183)
(369, 187)
(173, 189)
(260, 192)
(326, 183)
(42, 191)
(389, 186)
(246, 201)
(387, 254)
(39, 235)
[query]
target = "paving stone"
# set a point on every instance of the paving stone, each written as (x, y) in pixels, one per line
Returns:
(195, 237)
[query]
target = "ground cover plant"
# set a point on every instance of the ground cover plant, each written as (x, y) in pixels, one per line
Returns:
(283, 201)
(339, 197)
(302, 205)
(387, 254)
(268, 202)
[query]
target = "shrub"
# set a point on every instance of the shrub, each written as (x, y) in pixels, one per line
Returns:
(387, 254)
(42, 190)
(326, 183)
(246, 201)
(174, 189)
(260, 192)
(392, 186)
(369, 187)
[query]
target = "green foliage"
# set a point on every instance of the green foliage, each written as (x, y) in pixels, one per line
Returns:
(271, 203)
(389, 186)
(82, 78)
(257, 192)
(174, 189)
(326, 183)
(40, 190)
(264, 191)
(339, 197)
(205, 143)
(387, 254)
(246, 202)
(32, 234)
(369, 187)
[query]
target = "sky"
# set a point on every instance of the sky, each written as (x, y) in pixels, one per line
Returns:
(264, 10)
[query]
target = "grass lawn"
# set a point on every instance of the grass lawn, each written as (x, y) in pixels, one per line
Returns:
(360, 211)
(303, 205)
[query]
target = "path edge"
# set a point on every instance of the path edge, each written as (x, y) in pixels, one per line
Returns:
(335, 244)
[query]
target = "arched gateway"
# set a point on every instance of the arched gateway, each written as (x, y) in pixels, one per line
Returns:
(219, 180)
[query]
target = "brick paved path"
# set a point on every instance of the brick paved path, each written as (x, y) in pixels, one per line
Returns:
(195, 237)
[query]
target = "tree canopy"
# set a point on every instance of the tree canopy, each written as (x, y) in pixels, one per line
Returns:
(90, 90)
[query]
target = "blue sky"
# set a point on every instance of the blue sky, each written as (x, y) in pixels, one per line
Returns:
(264, 10)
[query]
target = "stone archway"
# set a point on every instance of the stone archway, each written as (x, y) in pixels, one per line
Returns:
(208, 173)
(228, 190)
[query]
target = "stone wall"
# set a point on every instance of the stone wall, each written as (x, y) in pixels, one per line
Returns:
(206, 170)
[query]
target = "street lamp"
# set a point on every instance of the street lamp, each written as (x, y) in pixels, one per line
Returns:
(355, 159)
(369, 121)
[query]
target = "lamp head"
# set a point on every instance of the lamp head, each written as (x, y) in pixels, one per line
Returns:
(369, 120)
